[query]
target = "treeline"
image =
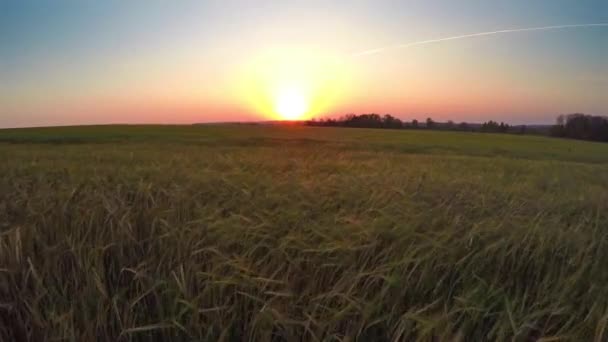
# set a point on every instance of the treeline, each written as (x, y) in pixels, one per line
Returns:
(391, 122)
(581, 126)
(574, 126)
(360, 121)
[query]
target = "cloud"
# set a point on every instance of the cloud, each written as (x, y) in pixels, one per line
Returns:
(472, 35)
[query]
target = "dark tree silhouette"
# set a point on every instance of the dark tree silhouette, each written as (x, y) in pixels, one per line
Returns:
(576, 126)
(581, 126)
(360, 121)
(494, 127)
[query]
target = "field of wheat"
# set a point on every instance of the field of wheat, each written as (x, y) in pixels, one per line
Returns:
(233, 233)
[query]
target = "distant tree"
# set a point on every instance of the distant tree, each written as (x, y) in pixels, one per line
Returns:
(414, 123)
(490, 126)
(363, 120)
(389, 121)
(430, 124)
(581, 126)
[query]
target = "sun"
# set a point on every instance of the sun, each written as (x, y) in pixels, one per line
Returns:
(290, 104)
(290, 83)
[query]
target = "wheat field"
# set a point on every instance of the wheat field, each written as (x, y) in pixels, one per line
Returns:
(239, 232)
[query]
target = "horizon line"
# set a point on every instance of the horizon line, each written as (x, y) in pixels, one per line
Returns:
(246, 122)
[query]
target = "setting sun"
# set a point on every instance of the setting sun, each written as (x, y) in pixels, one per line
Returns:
(291, 104)
(292, 84)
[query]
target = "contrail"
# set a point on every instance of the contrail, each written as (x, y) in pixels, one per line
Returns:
(430, 41)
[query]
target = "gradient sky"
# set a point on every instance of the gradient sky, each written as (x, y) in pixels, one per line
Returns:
(90, 62)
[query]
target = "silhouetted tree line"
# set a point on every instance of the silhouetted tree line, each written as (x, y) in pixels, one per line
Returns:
(360, 121)
(388, 121)
(575, 126)
(581, 126)
(494, 127)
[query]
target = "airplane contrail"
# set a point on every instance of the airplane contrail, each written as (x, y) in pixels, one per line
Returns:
(471, 35)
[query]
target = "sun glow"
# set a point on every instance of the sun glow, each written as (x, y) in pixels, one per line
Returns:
(292, 84)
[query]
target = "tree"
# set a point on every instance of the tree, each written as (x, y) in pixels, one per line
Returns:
(581, 126)
(430, 124)
(389, 121)
(490, 126)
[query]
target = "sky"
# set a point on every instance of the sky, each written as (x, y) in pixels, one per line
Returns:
(101, 62)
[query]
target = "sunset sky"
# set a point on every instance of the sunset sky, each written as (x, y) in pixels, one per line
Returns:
(93, 62)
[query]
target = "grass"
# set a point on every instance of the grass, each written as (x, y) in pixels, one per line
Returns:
(292, 233)
(409, 141)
